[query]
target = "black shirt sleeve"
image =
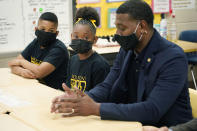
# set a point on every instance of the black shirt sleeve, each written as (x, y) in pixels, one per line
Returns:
(56, 56)
(26, 53)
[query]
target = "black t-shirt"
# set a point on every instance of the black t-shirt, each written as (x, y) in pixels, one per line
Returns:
(56, 54)
(86, 74)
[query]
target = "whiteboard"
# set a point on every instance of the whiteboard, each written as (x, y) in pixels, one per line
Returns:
(18, 19)
(11, 26)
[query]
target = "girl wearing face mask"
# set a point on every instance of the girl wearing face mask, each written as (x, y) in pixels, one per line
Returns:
(87, 68)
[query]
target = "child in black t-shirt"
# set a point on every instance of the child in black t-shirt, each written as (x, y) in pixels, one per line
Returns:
(87, 68)
(46, 57)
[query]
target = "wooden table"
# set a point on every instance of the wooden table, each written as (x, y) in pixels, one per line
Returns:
(187, 46)
(29, 103)
(10, 124)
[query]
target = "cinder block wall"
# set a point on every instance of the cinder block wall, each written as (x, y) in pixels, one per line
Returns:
(186, 19)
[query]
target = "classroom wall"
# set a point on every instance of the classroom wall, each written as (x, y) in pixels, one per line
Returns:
(186, 19)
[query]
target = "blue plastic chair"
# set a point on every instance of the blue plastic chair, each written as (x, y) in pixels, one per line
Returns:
(190, 35)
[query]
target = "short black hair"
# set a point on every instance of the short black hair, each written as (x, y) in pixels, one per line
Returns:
(87, 14)
(138, 10)
(49, 16)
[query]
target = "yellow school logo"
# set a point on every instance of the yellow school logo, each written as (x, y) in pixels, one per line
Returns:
(35, 61)
(79, 82)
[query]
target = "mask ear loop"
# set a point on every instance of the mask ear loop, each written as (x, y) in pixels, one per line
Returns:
(140, 37)
(136, 27)
(136, 30)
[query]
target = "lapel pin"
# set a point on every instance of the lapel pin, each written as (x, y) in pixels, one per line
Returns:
(149, 60)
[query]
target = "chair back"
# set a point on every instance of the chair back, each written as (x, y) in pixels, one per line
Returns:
(193, 100)
(188, 35)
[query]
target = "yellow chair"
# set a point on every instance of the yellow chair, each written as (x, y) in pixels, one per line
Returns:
(193, 99)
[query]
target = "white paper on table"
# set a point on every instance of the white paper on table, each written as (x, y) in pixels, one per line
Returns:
(11, 101)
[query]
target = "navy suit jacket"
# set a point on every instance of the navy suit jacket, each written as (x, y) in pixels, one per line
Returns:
(162, 93)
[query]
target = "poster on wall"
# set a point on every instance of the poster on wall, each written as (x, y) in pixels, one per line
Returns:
(98, 9)
(115, 0)
(87, 1)
(161, 6)
(183, 4)
(111, 17)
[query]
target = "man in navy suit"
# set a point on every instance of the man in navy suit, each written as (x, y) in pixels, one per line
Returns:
(148, 81)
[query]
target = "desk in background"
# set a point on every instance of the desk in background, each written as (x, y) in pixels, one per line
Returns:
(187, 46)
(29, 102)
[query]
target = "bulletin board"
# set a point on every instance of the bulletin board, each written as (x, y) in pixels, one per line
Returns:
(107, 14)
(111, 17)
(18, 19)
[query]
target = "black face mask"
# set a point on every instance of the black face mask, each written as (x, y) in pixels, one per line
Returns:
(45, 38)
(81, 46)
(127, 42)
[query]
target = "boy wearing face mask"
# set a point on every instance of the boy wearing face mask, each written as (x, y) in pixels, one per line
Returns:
(87, 68)
(46, 57)
(148, 80)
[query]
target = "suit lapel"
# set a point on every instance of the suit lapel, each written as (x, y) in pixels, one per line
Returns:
(119, 90)
(125, 64)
